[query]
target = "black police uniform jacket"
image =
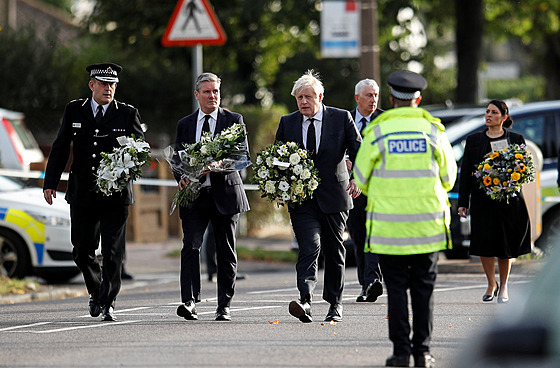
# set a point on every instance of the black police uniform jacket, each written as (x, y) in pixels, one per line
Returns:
(88, 139)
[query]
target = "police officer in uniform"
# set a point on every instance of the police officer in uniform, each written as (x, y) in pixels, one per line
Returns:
(406, 167)
(91, 126)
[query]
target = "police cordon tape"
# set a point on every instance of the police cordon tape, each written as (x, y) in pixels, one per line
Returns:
(33, 174)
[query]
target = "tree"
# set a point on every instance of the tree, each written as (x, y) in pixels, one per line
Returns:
(536, 24)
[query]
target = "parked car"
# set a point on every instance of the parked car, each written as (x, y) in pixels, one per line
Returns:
(18, 147)
(34, 236)
(539, 122)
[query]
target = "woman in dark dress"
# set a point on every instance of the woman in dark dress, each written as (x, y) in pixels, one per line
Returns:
(498, 228)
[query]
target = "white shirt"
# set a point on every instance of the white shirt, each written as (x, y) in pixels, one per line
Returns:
(94, 107)
(359, 118)
(211, 122)
(318, 122)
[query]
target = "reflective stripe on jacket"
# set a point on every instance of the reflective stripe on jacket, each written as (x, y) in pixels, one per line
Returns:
(406, 166)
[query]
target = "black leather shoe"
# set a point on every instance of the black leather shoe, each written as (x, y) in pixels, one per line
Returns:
(398, 361)
(222, 314)
(125, 275)
(94, 307)
(362, 297)
(373, 291)
(335, 313)
(426, 360)
(187, 311)
(301, 311)
(108, 314)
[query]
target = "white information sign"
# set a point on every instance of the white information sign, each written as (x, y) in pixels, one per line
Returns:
(340, 29)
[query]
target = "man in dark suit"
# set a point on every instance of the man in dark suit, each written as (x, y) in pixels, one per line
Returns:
(92, 126)
(222, 198)
(369, 274)
(328, 134)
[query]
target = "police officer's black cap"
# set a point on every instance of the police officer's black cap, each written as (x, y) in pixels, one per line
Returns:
(406, 85)
(105, 72)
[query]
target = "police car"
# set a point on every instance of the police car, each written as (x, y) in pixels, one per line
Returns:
(34, 236)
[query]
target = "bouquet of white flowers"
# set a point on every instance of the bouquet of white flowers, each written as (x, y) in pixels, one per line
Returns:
(285, 174)
(124, 164)
(502, 173)
(223, 152)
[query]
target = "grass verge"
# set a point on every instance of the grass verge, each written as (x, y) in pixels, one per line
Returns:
(16, 286)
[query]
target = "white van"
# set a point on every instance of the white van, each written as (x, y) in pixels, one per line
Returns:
(18, 147)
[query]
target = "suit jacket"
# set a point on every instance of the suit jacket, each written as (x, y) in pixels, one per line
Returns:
(360, 202)
(229, 194)
(339, 137)
(373, 116)
(88, 139)
(475, 149)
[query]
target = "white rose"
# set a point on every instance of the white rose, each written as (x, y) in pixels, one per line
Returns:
(203, 150)
(285, 197)
(294, 159)
(313, 184)
(306, 174)
(263, 173)
(270, 186)
(284, 186)
(298, 169)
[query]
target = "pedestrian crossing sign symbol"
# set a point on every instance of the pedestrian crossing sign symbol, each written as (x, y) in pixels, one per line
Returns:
(193, 22)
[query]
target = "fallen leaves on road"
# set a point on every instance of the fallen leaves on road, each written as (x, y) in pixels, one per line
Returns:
(274, 322)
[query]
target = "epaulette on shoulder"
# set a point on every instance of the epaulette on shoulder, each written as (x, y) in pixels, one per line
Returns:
(125, 104)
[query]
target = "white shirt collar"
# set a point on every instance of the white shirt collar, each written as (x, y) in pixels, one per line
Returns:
(213, 115)
(94, 105)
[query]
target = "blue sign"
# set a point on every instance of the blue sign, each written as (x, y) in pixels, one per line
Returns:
(417, 145)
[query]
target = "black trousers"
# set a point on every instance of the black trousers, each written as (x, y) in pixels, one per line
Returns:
(416, 272)
(367, 264)
(194, 224)
(316, 231)
(103, 221)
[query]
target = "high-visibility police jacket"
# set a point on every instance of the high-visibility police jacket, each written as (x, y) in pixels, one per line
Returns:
(406, 166)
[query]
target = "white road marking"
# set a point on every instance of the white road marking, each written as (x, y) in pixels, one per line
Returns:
(104, 324)
(24, 326)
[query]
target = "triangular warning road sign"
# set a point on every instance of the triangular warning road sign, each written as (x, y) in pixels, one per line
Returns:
(193, 23)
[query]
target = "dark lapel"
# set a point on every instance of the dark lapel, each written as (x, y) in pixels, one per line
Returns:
(221, 121)
(87, 114)
(326, 127)
(110, 114)
(191, 127)
(297, 126)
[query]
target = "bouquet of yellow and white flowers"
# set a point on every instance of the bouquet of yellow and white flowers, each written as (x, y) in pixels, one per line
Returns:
(285, 174)
(502, 173)
(223, 152)
(124, 164)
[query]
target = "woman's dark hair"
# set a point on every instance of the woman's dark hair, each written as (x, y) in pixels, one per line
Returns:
(501, 105)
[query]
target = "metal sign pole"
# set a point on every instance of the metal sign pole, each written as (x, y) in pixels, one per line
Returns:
(196, 69)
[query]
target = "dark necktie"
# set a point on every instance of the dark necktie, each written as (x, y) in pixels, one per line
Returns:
(99, 114)
(364, 124)
(205, 129)
(206, 125)
(311, 139)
